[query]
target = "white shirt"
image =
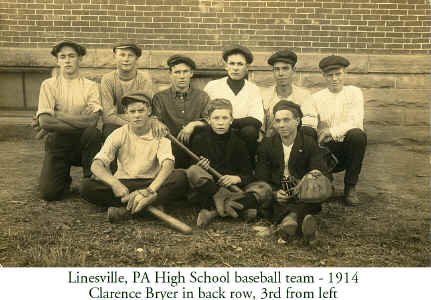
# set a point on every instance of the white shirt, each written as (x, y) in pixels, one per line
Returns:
(69, 96)
(287, 150)
(299, 95)
(138, 156)
(247, 103)
(339, 112)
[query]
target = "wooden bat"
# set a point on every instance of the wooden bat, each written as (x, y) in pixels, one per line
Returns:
(212, 171)
(171, 221)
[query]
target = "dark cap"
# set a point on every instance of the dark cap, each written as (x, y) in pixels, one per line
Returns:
(288, 105)
(181, 59)
(78, 48)
(286, 56)
(140, 96)
(333, 62)
(128, 45)
(238, 49)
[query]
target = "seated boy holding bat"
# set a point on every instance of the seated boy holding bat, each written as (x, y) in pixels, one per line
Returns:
(220, 149)
(145, 171)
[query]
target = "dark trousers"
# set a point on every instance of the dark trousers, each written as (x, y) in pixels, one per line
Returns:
(350, 154)
(300, 208)
(63, 150)
(250, 134)
(107, 129)
(182, 159)
(99, 193)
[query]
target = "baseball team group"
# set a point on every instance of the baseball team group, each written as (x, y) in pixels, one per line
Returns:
(232, 149)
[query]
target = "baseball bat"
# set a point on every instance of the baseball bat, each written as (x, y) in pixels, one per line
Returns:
(211, 170)
(171, 221)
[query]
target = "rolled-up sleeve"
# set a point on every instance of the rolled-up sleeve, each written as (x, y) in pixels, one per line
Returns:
(46, 100)
(93, 97)
(110, 147)
(164, 151)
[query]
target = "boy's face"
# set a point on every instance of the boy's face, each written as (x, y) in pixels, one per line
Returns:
(181, 75)
(220, 120)
(285, 123)
(138, 114)
(68, 60)
(236, 66)
(283, 73)
(335, 79)
(125, 59)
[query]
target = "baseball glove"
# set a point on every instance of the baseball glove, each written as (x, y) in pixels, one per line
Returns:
(314, 187)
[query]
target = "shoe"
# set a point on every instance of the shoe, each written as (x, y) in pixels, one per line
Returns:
(309, 227)
(289, 225)
(205, 216)
(117, 214)
(350, 196)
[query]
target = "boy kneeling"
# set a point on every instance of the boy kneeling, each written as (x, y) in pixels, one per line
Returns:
(145, 171)
(219, 147)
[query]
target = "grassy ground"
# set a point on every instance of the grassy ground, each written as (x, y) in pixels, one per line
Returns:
(390, 228)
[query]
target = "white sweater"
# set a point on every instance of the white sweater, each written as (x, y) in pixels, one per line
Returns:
(339, 112)
(247, 103)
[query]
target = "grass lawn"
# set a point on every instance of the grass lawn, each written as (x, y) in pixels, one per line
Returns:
(390, 228)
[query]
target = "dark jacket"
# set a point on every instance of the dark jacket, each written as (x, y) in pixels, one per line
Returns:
(227, 153)
(304, 157)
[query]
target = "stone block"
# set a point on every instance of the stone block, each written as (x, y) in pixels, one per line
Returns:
(398, 135)
(415, 117)
(383, 117)
(26, 57)
(313, 81)
(94, 74)
(403, 98)
(413, 81)
(32, 84)
(371, 80)
(400, 64)
(203, 60)
(396, 115)
(11, 93)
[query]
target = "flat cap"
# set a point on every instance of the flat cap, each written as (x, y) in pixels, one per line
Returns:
(181, 59)
(288, 105)
(140, 96)
(286, 56)
(333, 62)
(128, 45)
(78, 48)
(238, 49)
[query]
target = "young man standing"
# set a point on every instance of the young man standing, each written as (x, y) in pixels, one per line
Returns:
(116, 84)
(283, 65)
(69, 108)
(245, 96)
(339, 120)
(145, 164)
(182, 108)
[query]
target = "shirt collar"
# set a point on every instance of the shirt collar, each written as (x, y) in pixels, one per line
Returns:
(175, 94)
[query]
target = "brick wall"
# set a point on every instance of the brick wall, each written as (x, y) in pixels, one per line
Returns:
(343, 26)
